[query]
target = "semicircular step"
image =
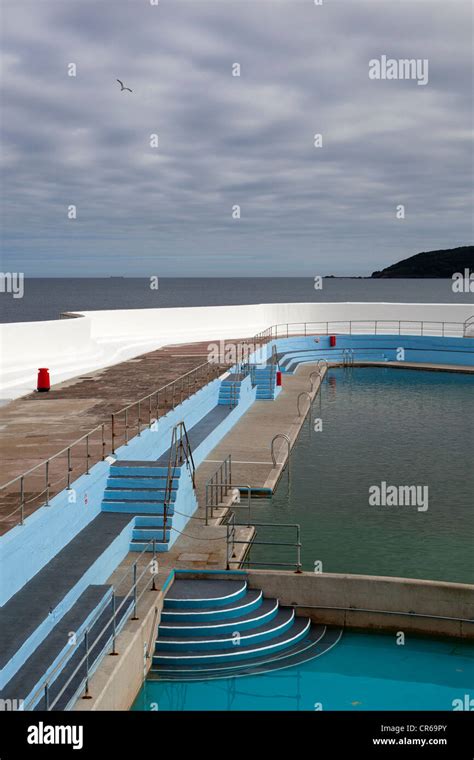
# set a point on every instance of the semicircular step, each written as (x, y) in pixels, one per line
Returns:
(319, 641)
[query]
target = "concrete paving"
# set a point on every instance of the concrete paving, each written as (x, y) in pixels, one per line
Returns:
(39, 425)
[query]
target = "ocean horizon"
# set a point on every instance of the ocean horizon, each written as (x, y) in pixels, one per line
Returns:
(47, 298)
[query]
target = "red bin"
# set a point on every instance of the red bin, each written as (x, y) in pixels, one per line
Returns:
(332, 340)
(278, 377)
(44, 382)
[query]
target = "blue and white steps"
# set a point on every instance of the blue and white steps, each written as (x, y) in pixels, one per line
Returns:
(139, 488)
(216, 628)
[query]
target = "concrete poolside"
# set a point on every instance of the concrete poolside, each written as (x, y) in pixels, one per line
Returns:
(201, 547)
(39, 425)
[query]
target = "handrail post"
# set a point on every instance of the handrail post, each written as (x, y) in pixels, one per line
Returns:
(114, 652)
(126, 426)
(69, 468)
(135, 617)
(113, 434)
(86, 694)
(47, 482)
(153, 584)
(298, 549)
(87, 454)
(22, 499)
(103, 441)
(46, 696)
(139, 421)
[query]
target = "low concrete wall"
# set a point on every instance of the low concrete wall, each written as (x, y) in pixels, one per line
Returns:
(378, 596)
(118, 679)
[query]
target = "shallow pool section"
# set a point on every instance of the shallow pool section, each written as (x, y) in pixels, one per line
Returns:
(363, 672)
(401, 427)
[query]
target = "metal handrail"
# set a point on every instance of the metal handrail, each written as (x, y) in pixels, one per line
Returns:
(359, 326)
(46, 682)
(348, 357)
(248, 488)
(47, 466)
(303, 393)
(221, 481)
(231, 542)
(180, 453)
(207, 369)
(381, 612)
(467, 323)
(275, 437)
(311, 380)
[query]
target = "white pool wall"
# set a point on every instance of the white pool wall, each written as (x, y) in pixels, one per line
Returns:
(96, 339)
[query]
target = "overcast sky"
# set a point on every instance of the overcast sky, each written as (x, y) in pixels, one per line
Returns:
(226, 141)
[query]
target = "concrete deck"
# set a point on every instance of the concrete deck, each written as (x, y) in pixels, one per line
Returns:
(40, 425)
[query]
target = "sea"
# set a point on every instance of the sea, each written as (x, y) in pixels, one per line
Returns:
(47, 298)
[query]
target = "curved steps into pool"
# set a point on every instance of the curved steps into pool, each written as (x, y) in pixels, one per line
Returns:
(220, 628)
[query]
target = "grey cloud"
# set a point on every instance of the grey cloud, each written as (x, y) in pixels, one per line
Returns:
(226, 141)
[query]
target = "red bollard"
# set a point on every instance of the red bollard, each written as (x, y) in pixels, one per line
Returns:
(332, 340)
(44, 382)
(278, 378)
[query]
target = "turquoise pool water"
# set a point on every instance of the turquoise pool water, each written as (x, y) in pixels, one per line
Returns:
(403, 427)
(363, 672)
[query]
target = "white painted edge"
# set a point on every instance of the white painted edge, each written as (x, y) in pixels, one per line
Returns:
(221, 625)
(187, 642)
(210, 612)
(230, 653)
(205, 599)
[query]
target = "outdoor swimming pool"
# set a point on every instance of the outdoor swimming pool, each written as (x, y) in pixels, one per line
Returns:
(363, 672)
(401, 427)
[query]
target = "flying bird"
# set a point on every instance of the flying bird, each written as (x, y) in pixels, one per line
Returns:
(123, 86)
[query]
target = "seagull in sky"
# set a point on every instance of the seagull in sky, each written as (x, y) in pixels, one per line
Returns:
(123, 86)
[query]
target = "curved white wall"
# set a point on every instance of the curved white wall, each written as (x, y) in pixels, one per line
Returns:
(96, 339)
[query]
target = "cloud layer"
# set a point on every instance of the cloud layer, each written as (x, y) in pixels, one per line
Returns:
(227, 140)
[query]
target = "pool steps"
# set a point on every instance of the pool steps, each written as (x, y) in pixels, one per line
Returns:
(213, 627)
